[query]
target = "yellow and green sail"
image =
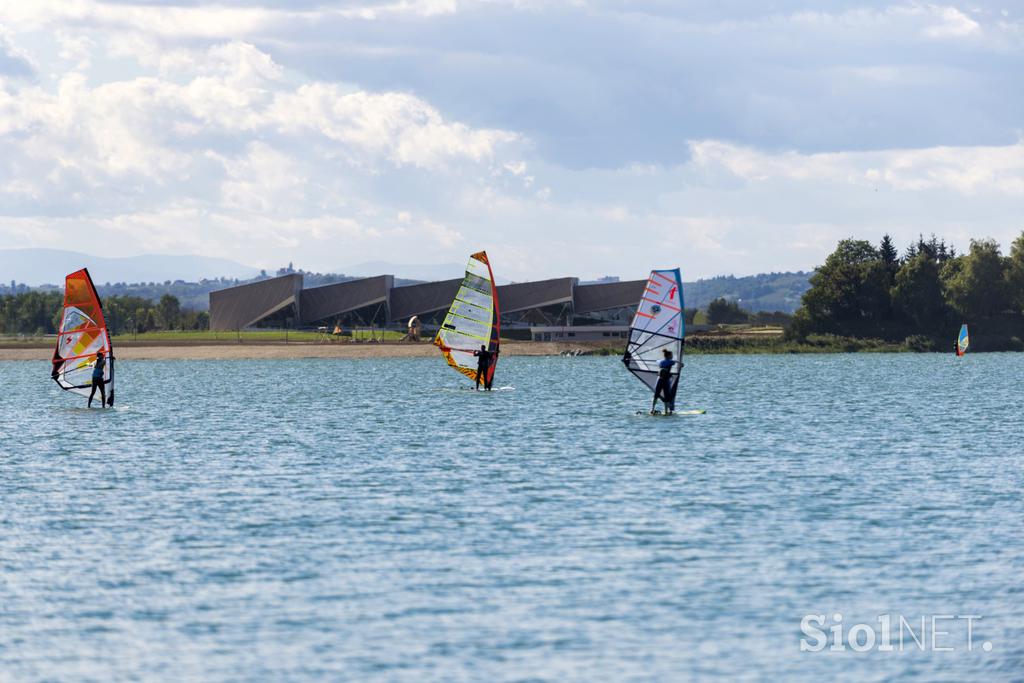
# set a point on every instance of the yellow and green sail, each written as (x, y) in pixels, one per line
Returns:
(473, 320)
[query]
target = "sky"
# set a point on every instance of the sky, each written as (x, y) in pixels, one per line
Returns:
(567, 137)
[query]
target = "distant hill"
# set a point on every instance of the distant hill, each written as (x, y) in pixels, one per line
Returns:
(192, 278)
(765, 292)
(418, 273)
(36, 267)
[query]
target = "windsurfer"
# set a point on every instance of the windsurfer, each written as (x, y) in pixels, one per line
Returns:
(664, 389)
(484, 360)
(97, 380)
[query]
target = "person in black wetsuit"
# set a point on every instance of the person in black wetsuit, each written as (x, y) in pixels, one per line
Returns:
(664, 389)
(484, 360)
(97, 380)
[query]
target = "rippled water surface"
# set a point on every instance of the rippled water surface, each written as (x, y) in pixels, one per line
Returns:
(372, 520)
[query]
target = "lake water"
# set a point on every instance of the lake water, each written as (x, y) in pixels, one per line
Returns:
(372, 520)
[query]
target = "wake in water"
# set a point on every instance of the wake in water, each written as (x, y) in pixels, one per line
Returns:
(83, 409)
(681, 413)
(465, 389)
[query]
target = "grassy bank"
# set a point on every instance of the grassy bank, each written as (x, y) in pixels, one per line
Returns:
(725, 344)
(204, 337)
(778, 344)
(255, 336)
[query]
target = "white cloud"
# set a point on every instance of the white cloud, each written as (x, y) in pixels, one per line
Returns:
(968, 171)
(951, 22)
(396, 126)
(155, 127)
(13, 59)
(209, 22)
(232, 152)
(213, 22)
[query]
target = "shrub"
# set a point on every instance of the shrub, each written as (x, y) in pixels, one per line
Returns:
(919, 343)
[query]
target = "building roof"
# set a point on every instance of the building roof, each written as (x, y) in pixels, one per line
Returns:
(329, 301)
(523, 296)
(423, 299)
(245, 305)
(601, 297)
(238, 307)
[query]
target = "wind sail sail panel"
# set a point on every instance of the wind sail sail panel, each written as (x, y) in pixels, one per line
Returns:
(473, 320)
(963, 341)
(82, 333)
(658, 326)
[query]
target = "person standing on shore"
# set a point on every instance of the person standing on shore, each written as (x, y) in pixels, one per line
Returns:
(97, 380)
(413, 333)
(484, 360)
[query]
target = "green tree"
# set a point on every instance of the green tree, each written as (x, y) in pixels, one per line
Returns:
(978, 289)
(890, 257)
(917, 293)
(722, 311)
(202, 321)
(848, 290)
(169, 311)
(119, 310)
(32, 312)
(1015, 274)
(140, 318)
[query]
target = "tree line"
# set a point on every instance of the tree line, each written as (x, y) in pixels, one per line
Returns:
(921, 297)
(38, 312)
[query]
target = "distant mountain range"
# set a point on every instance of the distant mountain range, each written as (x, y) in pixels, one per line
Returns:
(36, 267)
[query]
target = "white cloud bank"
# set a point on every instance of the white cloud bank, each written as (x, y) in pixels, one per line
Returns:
(234, 159)
(138, 128)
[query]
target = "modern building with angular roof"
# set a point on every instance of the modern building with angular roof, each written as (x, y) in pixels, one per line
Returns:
(361, 302)
(612, 302)
(282, 301)
(247, 305)
(428, 301)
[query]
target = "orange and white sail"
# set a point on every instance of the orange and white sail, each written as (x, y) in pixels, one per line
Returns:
(83, 332)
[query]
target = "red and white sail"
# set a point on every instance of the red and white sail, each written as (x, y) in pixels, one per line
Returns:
(658, 326)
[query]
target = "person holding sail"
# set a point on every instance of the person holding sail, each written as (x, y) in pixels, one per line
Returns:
(664, 388)
(97, 380)
(484, 360)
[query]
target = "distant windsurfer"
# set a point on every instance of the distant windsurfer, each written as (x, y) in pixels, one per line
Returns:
(413, 329)
(664, 389)
(97, 380)
(484, 361)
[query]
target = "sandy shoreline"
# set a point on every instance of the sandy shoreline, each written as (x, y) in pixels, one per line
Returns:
(258, 351)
